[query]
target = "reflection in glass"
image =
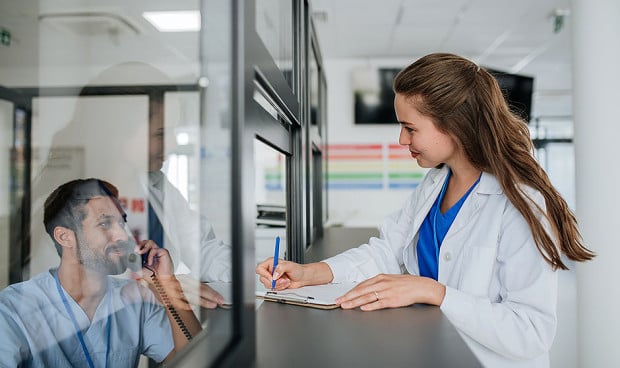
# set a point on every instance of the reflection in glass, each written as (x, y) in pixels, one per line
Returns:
(6, 126)
(122, 106)
(274, 25)
(324, 147)
(313, 77)
(317, 193)
(270, 171)
(318, 149)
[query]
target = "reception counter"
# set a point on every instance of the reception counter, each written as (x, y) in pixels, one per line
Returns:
(416, 336)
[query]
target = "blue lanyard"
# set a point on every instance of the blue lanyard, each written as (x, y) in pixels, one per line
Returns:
(439, 200)
(77, 327)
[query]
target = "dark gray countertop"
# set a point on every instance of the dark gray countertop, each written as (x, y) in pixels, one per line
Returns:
(417, 336)
(338, 239)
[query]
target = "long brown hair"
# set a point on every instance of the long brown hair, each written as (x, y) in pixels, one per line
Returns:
(465, 101)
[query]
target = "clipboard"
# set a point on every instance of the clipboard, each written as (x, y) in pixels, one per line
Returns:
(315, 296)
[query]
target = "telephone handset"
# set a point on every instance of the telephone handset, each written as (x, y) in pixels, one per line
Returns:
(164, 298)
(135, 263)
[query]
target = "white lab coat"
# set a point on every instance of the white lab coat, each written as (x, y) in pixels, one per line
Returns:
(500, 293)
(188, 236)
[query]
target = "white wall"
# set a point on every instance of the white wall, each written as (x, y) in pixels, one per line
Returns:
(596, 75)
(341, 127)
(344, 205)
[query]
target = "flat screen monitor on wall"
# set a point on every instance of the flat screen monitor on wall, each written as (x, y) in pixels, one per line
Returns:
(517, 90)
(374, 98)
(373, 95)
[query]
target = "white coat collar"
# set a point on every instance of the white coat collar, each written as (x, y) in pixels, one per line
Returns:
(488, 186)
(488, 182)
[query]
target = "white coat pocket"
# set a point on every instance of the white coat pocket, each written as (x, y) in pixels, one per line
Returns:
(477, 270)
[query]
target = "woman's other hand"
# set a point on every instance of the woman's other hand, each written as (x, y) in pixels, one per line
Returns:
(393, 291)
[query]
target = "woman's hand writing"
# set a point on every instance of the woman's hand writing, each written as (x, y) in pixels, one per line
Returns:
(293, 275)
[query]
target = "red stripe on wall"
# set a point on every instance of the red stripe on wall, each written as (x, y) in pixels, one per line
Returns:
(354, 147)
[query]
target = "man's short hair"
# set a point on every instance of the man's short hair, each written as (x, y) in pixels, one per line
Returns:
(65, 205)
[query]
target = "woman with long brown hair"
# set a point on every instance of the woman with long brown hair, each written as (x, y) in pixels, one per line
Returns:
(483, 234)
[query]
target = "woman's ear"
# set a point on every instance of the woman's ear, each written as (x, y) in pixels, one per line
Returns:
(64, 236)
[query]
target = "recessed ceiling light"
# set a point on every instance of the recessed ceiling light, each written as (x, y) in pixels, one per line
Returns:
(174, 21)
(182, 138)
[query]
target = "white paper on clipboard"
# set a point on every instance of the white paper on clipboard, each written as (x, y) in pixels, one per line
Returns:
(315, 295)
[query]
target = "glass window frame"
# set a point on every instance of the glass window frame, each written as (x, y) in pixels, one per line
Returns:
(255, 70)
(316, 145)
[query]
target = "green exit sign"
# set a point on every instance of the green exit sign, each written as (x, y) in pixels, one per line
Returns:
(5, 37)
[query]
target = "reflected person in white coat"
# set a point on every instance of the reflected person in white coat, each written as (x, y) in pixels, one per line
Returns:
(188, 236)
(481, 237)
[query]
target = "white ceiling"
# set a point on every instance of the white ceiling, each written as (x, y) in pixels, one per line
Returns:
(511, 35)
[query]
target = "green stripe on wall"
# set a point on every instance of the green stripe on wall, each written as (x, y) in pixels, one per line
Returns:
(273, 176)
(332, 176)
(413, 175)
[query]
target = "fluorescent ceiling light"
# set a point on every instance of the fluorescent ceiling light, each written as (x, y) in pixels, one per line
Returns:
(182, 139)
(174, 21)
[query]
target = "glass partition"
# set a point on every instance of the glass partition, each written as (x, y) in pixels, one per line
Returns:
(317, 136)
(6, 126)
(313, 84)
(274, 26)
(116, 95)
(271, 218)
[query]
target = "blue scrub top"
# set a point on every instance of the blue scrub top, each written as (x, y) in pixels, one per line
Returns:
(38, 332)
(434, 229)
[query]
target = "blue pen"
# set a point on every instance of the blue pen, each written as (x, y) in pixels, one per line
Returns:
(276, 253)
